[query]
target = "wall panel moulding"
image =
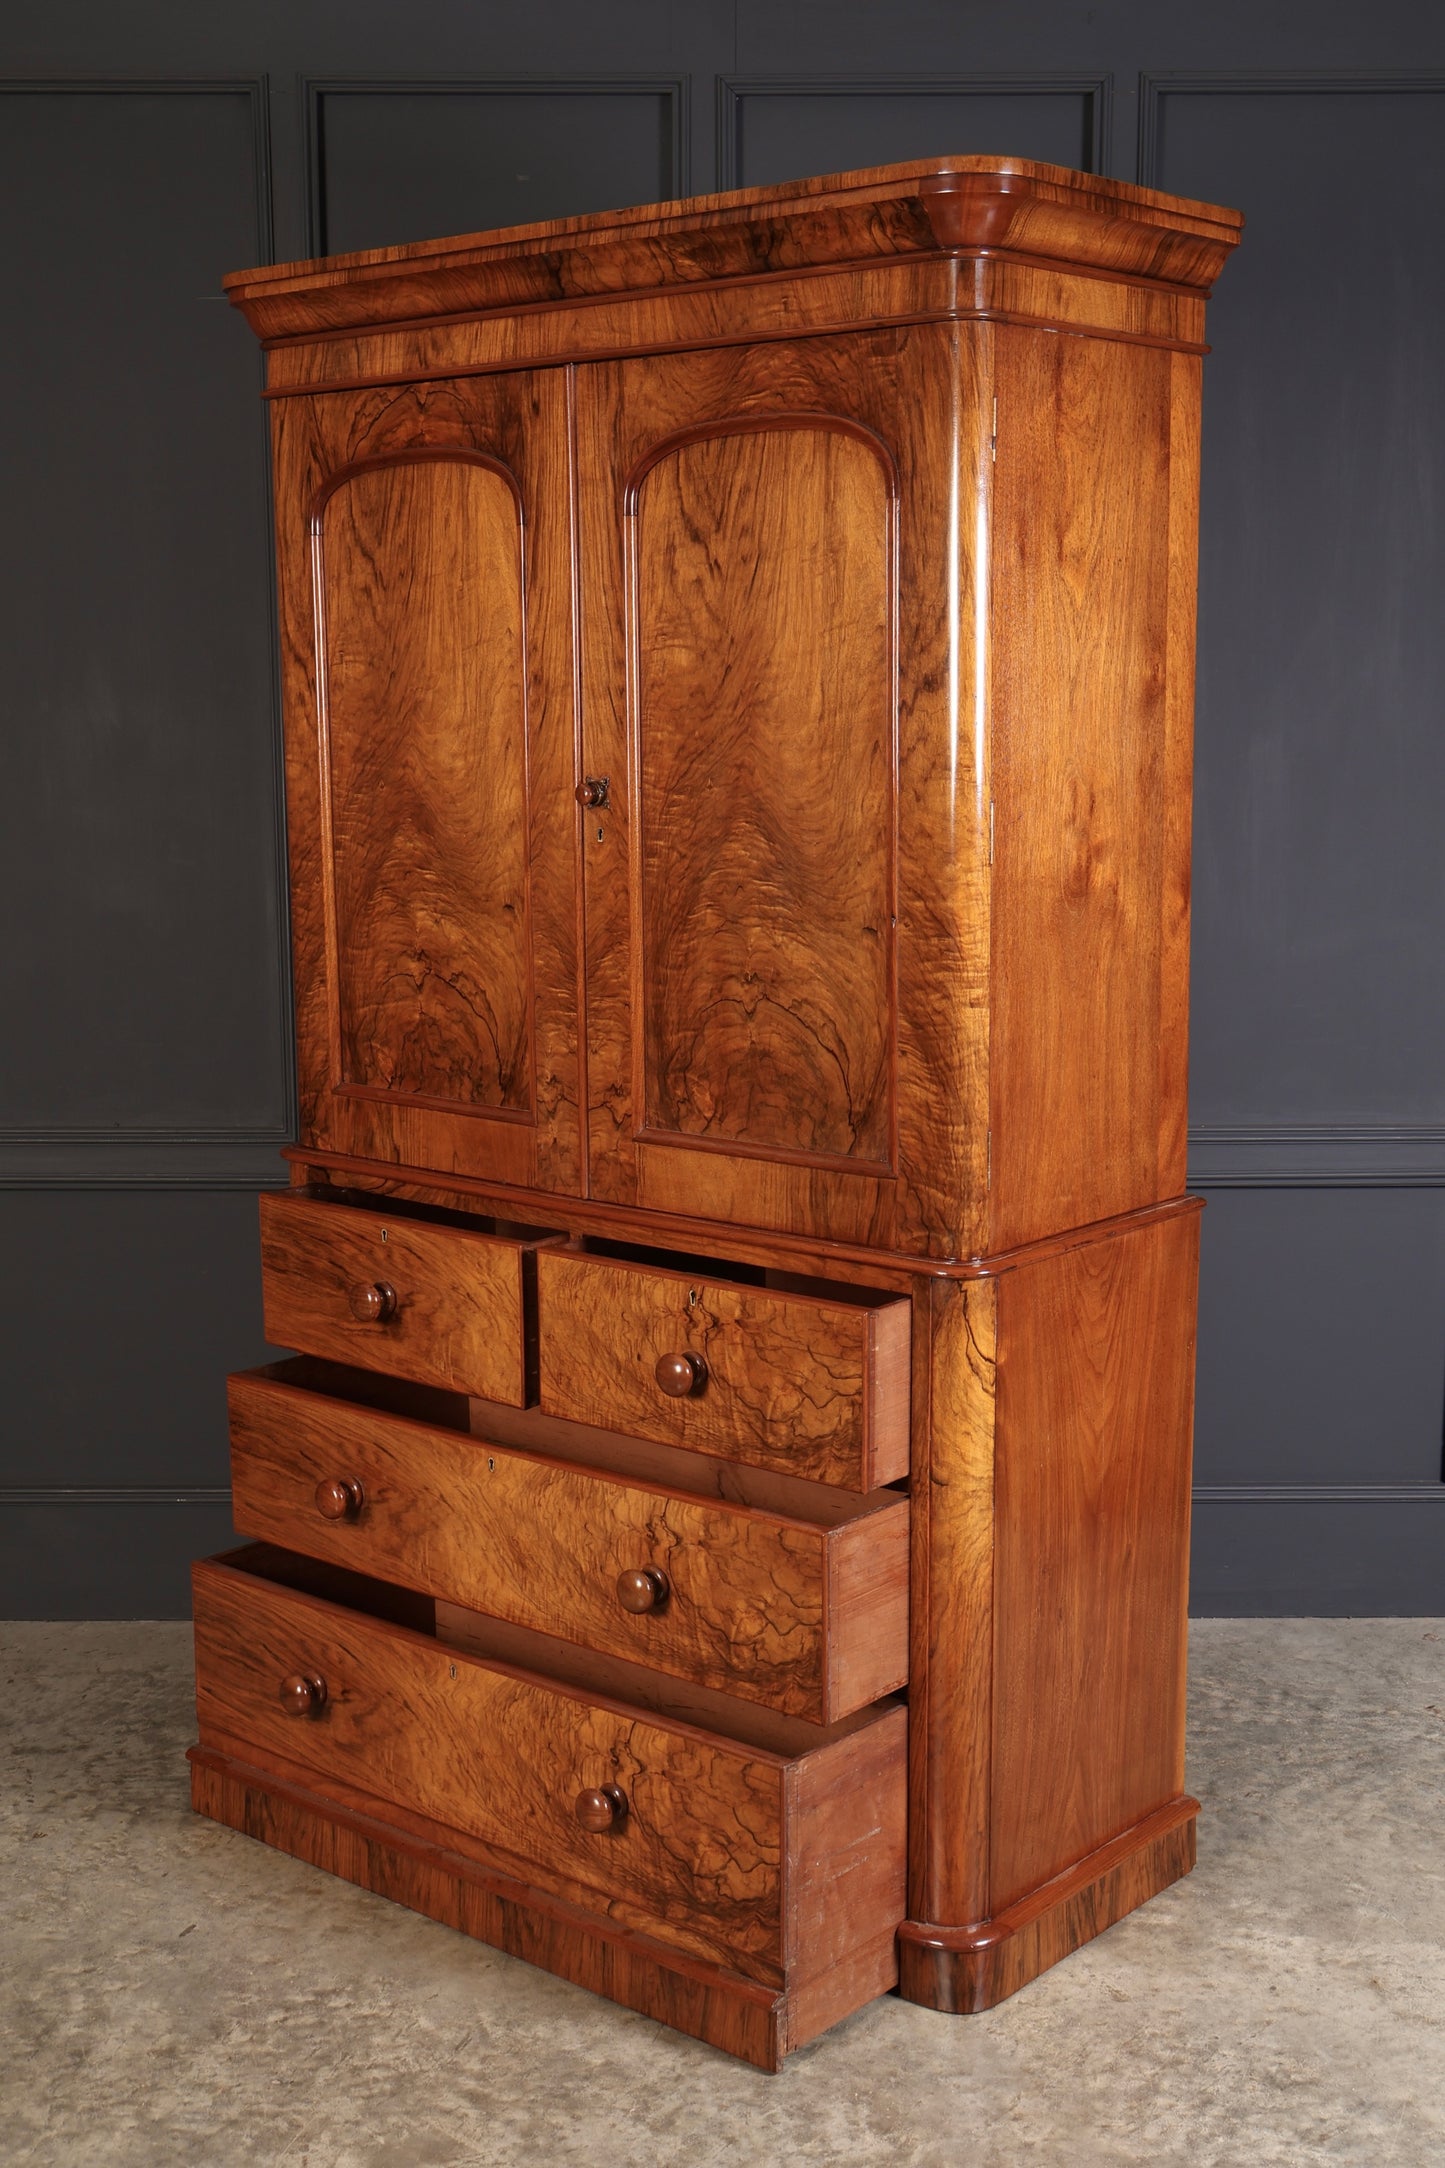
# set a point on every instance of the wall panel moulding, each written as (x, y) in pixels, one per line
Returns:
(1317, 1156)
(140, 482)
(1155, 91)
(390, 157)
(773, 127)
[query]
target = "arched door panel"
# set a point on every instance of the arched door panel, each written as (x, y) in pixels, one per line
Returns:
(426, 591)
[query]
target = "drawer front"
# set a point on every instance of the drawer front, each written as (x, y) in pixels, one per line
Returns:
(814, 1388)
(438, 1304)
(699, 1839)
(806, 1619)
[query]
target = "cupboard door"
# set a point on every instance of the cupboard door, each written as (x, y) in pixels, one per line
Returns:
(773, 1036)
(425, 573)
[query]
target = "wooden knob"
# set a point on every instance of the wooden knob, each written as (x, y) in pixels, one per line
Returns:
(643, 1589)
(338, 1499)
(679, 1375)
(373, 1304)
(603, 1808)
(301, 1696)
(592, 790)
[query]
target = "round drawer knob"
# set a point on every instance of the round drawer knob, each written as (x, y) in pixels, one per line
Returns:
(642, 1589)
(372, 1304)
(679, 1375)
(301, 1696)
(592, 790)
(603, 1808)
(338, 1499)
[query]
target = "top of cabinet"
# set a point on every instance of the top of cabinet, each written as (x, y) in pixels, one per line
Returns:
(944, 206)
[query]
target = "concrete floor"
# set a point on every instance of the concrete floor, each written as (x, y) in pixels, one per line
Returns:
(171, 1993)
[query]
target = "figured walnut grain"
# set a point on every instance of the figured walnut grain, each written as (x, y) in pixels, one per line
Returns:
(714, 1835)
(1050, 1572)
(997, 1090)
(1091, 1547)
(424, 696)
(765, 720)
(458, 1316)
(425, 583)
(417, 1862)
(811, 1620)
(906, 290)
(876, 212)
(1093, 492)
(809, 1387)
(799, 864)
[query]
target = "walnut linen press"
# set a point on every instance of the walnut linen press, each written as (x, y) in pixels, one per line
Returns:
(723, 1536)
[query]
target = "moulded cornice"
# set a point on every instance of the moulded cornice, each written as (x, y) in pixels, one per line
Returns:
(964, 205)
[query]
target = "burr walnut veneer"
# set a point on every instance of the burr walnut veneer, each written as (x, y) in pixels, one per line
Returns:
(723, 1534)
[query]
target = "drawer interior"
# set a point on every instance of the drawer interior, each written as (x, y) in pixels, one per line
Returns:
(799, 1603)
(267, 1562)
(528, 1430)
(716, 1270)
(430, 1215)
(615, 1681)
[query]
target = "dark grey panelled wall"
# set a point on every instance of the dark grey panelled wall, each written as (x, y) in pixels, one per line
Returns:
(145, 1084)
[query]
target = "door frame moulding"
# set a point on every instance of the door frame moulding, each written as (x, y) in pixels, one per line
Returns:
(315, 89)
(1098, 90)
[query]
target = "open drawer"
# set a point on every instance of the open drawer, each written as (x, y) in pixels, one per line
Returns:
(789, 1594)
(776, 1851)
(391, 1287)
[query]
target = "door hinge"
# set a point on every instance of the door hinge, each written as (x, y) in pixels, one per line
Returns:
(988, 1161)
(990, 831)
(993, 440)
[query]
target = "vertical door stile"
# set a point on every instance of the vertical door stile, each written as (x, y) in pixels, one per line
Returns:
(578, 713)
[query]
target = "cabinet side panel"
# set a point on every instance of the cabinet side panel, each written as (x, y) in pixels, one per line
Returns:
(1086, 780)
(1091, 1533)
